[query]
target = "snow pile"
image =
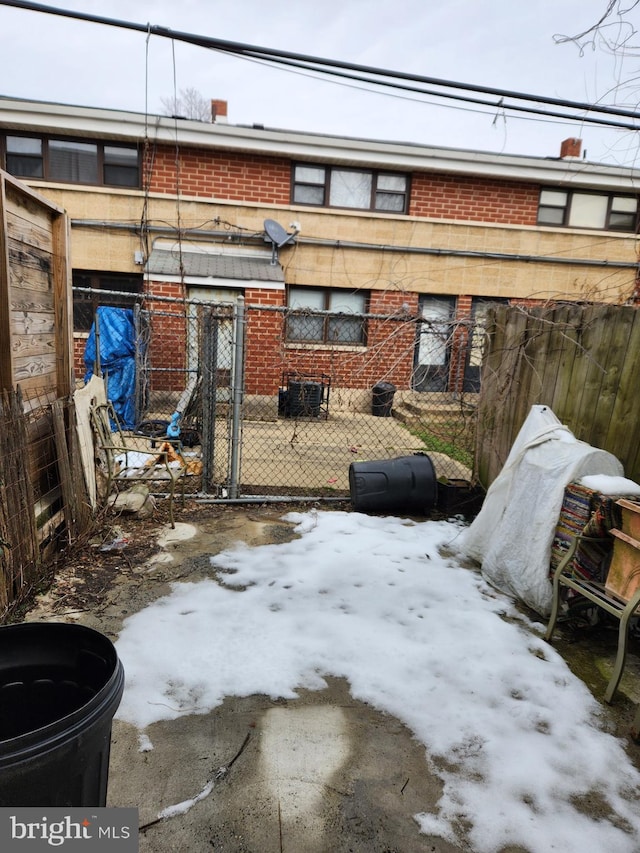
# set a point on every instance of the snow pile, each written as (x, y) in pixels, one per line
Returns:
(418, 636)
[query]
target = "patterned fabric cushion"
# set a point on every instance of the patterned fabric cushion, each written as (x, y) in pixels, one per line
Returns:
(574, 514)
(592, 559)
(589, 513)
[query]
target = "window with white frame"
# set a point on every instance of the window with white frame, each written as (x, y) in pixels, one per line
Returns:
(577, 209)
(360, 189)
(326, 316)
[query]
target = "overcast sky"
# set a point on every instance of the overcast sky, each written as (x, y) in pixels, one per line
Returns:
(506, 45)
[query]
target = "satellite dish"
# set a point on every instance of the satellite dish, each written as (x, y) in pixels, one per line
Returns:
(276, 233)
(278, 236)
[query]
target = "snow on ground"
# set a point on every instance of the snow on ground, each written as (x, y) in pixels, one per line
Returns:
(387, 604)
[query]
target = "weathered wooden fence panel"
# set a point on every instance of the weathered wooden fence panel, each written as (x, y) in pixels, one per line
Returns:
(42, 493)
(43, 497)
(35, 292)
(581, 361)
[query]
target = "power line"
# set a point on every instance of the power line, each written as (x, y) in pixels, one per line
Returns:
(491, 109)
(496, 105)
(372, 75)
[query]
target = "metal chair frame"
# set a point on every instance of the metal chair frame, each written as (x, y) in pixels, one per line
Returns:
(596, 593)
(113, 448)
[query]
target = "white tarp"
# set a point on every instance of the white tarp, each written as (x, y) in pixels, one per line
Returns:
(513, 533)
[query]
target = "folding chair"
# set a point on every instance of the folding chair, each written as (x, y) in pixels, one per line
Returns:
(124, 460)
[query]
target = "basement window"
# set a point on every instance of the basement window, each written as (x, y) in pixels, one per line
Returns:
(573, 209)
(93, 289)
(326, 316)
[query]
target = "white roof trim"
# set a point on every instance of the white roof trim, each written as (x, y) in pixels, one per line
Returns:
(225, 283)
(112, 124)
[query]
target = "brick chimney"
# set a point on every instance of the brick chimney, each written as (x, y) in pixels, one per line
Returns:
(219, 111)
(570, 148)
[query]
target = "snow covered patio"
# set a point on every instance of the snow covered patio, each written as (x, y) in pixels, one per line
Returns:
(332, 681)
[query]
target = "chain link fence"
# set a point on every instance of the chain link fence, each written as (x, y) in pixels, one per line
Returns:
(275, 401)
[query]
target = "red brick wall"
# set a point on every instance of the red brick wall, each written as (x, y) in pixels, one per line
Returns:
(168, 345)
(459, 344)
(79, 344)
(264, 342)
(474, 199)
(237, 177)
(267, 180)
(388, 355)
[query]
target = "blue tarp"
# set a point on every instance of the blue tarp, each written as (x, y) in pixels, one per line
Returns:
(117, 360)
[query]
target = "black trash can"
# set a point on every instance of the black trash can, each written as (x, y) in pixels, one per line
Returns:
(382, 399)
(283, 403)
(459, 497)
(406, 484)
(60, 686)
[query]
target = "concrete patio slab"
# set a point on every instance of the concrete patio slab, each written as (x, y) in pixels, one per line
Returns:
(322, 772)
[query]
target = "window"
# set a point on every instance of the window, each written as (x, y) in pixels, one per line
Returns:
(350, 189)
(433, 344)
(120, 291)
(24, 157)
(326, 316)
(309, 185)
(121, 168)
(360, 189)
(623, 213)
(391, 193)
(73, 161)
(588, 210)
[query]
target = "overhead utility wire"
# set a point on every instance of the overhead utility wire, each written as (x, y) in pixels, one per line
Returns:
(323, 64)
(405, 87)
(316, 74)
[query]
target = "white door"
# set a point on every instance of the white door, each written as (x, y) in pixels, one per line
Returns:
(433, 345)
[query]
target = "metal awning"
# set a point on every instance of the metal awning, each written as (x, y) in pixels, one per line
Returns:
(213, 264)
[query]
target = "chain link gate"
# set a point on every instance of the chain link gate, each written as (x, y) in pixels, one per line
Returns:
(325, 389)
(276, 402)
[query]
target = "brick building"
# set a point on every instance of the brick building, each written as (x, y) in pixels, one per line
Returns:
(373, 232)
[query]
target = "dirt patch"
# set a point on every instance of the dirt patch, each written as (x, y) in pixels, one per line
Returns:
(131, 561)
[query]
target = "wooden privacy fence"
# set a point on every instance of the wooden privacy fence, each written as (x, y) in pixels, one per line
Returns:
(42, 493)
(43, 499)
(35, 292)
(581, 361)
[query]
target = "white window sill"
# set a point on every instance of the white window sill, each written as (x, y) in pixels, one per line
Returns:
(322, 345)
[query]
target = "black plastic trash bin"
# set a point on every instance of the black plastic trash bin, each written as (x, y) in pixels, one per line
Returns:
(382, 399)
(405, 484)
(60, 686)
